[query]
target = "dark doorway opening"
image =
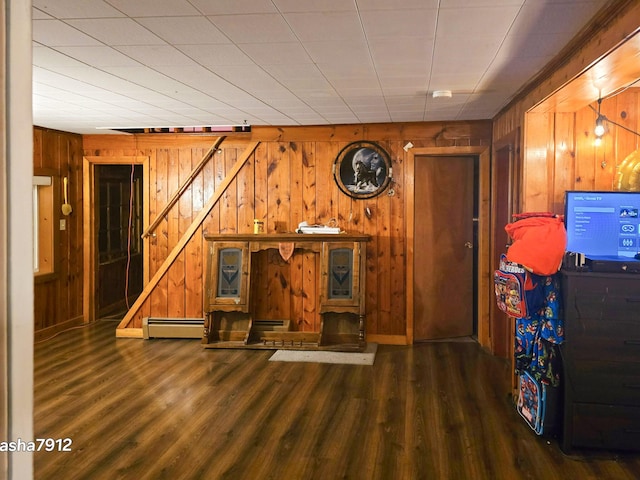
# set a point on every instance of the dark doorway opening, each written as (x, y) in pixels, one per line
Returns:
(118, 212)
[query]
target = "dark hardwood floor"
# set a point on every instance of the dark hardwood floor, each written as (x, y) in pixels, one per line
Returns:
(169, 409)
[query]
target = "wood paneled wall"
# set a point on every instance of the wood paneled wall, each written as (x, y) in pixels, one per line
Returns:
(288, 179)
(58, 296)
(563, 156)
(556, 148)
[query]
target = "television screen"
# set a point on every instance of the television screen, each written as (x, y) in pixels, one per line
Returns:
(602, 224)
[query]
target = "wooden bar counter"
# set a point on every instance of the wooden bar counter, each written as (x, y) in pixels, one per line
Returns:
(236, 284)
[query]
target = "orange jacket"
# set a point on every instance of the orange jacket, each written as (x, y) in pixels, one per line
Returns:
(539, 242)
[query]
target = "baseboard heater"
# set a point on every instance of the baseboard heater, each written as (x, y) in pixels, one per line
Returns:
(172, 327)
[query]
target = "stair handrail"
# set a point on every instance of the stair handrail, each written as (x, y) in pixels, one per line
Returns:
(195, 224)
(176, 196)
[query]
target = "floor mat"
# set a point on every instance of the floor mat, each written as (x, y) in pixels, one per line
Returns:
(367, 357)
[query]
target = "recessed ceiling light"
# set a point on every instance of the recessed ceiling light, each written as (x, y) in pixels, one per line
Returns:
(442, 93)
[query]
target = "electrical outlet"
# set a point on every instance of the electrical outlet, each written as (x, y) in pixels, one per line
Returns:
(63, 224)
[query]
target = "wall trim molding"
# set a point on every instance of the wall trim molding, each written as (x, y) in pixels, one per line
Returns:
(387, 339)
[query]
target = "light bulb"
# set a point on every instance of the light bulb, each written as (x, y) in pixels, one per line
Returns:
(599, 130)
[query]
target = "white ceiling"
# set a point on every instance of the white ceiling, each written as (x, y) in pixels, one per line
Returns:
(172, 63)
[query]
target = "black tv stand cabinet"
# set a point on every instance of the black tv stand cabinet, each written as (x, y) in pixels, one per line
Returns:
(601, 360)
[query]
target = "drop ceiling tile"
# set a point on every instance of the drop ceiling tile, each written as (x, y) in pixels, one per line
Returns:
(184, 30)
(338, 110)
(311, 94)
(67, 78)
(484, 103)
(355, 52)
(233, 7)
(327, 103)
(55, 33)
(481, 3)
(406, 116)
(52, 58)
(288, 6)
(370, 110)
(354, 61)
(44, 90)
(381, 117)
(523, 46)
(151, 79)
(249, 78)
(320, 26)
(443, 109)
(364, 5)
(414, 110)
(40, 15)
(76, 9)
(277, 118)
(396, 51)
(276, 53)
(455, 81)
(457, 100)
(339, 119)
(295, 111)
(361, 99)
(310, 120)
(267, 28)
(403, 89)
(205, 118)
(117, 31)
(410, 115)
(405, 101)
(476, 21)
(337, 71)
(351, 93)
(364, 84)
(118, 101)
(98, 56)
(406, 81)
(364, 100)
(212, 56)
(400, 23)
(469, 54)
(356, 103)
(320, 98)
(156, 99)
(193, 77)
(155, 55)
(154, 8)
(299, 77)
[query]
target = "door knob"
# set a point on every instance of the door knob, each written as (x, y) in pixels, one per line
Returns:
(468, 244)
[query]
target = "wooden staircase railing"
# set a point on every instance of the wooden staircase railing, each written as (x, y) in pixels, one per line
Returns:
(202, 215)
(183, 188)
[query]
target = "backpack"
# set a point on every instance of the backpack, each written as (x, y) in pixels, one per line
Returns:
(509, 282)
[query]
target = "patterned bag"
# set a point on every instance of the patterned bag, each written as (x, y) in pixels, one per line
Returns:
(509, 282)
(532, 402)
(538, 335)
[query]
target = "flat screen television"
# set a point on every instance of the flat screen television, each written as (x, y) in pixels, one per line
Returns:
(603, 225)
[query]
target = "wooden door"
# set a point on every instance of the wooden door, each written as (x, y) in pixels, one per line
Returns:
(443, 247)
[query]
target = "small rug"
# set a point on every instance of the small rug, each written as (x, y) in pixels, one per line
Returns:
(367, 357)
